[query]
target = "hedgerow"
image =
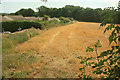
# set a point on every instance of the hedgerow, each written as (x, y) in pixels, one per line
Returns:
(13, 26)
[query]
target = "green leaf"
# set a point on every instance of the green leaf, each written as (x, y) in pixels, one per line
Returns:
(111, 62)
(98, 41)
(105, 53)
(95, 45)
(105, 30)
(111, 38)
(117, 29)
(92, 62)
(79, 76)
(117, 47)
(99, 72)
(89, 49)
(84, 76)
(119, 38)
(100, 46)
(82, 62)
(88, 59)
(89, 63)
(80, 69)
(79, 57)
(101, 62)
(94, 72)
(94, 66)
(104, 72)
(103, 23)
(118, 63)
(86, 64)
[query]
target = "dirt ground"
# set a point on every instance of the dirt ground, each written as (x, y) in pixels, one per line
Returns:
(58, 48)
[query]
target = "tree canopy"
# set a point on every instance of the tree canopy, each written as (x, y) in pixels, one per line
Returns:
(76, 12)
(25, 12)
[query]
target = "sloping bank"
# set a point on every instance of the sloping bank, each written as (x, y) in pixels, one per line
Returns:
(10, 41)
(13, 61)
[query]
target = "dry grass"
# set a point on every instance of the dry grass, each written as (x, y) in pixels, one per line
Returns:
(13, 62)
(56, 50)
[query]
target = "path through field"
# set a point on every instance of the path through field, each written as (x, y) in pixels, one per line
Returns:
(57, 49)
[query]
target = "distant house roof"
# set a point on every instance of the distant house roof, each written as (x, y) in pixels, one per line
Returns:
(67, 19)
(5, 19)
(55, 19)
(14, 17)
(30, 18)
(40, 18)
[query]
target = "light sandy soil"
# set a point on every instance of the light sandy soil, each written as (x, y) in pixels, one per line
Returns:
(58, 48)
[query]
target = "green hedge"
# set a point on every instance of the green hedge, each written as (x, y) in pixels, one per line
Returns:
(13, 26)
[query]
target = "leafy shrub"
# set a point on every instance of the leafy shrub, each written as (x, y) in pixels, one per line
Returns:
(61, 18)
(12, 26)
(46, 18)
(71, 19)
(108, 64)
(50, 24)
(64, 20)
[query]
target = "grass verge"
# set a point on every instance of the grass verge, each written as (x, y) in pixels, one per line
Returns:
(12, 61)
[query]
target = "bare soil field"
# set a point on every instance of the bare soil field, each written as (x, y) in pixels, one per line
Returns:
(57, 49)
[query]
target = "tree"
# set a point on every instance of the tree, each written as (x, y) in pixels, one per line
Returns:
(44, 0)
(76, 12)
(42, 11)
(25, 12)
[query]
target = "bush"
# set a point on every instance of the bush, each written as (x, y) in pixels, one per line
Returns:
(13, 26)
(71, 19)
(61, 18)
(46, 18)
(64, 20)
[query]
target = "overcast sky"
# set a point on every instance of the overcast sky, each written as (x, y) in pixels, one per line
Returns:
(113, 1)
(14, 5)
